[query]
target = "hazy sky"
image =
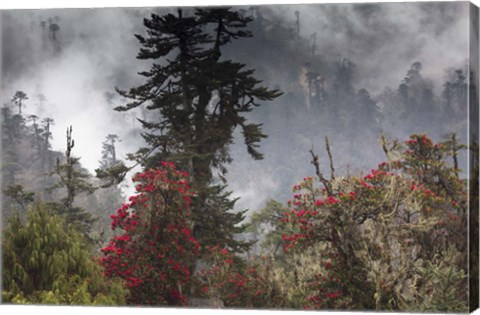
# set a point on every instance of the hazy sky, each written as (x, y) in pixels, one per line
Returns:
(96, 52)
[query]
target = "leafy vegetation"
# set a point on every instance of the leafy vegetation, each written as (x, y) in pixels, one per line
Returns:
(47, 262)
(393, 238)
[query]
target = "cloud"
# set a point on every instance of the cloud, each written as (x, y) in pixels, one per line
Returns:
(384, 39)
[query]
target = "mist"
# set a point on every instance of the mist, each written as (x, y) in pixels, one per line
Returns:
(72, 79)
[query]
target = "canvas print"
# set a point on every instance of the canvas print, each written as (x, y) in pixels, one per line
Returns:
(294, 157)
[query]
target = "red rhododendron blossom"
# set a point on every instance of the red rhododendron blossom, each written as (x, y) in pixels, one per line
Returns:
(154, 248)
(340, 211)
(332, 200)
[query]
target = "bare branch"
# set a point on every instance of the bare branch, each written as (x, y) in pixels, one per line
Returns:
(319, 173)
(330, 158)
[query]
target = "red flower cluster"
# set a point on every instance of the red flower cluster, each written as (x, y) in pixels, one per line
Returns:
(327, 286)
(415, 184)
(419, 139)
(155, 250)
(237, 284)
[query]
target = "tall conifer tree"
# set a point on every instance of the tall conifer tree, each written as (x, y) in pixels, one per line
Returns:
(200, 99)
(74, 181)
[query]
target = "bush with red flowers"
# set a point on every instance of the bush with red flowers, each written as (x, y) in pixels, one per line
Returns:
(391, 239)
(235, 281)
(382, 232)
(154, 250)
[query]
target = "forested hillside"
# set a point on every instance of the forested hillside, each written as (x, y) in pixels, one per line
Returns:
(248, 157)
(32, 171)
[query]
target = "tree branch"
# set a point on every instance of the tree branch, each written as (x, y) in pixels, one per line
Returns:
(332, 170)
(319, 173)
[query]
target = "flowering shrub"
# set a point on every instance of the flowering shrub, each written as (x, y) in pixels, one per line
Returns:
(238, 283)
(326, 287)
(379, 232)
(154, 250)
(391, 239)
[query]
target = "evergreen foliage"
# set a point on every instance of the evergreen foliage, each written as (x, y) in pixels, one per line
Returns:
(265, 223)
(111, 171)
(45, 261)
(109, 153)
(396, 238)
(21, 197)
(200, 99)
(74, 181)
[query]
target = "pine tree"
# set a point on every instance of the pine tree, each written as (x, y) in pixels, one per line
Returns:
(364, 116)
(10, 141)
(201, 99)
(47, 135)
(18, 100)
(455, 94)
(11, 137)
(414, 92)
(74, 181)
(343, 93)
(110, 197)
(111, 170)
(36, 136)
(21, 197)
(109, 154)
(45, 161)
